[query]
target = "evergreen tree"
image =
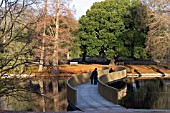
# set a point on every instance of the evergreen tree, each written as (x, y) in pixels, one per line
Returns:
(100, 29)
(136, 28)
(114, 28)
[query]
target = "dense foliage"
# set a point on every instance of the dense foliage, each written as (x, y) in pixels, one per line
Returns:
(136, 28)
(112, 28)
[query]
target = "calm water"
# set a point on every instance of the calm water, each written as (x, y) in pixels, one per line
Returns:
(147, 94)
(49, 95)
(141, 94)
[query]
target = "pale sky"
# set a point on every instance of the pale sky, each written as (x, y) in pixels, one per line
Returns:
(82, 6)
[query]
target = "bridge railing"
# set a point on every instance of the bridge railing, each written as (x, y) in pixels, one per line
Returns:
(71, 92)
(80, 79)
(108, 92)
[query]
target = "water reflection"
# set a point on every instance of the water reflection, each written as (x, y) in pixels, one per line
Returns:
(48, 94)
(147, 94)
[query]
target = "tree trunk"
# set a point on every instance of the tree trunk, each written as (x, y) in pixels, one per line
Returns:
(132, 50)
(112, 61)
(84, 55)
(43, 40)
(42, 93)
(42, 55)
(55, 95)
(55, 53)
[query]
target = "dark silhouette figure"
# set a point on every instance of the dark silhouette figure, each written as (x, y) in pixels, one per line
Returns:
(94, 76)
(111, 70)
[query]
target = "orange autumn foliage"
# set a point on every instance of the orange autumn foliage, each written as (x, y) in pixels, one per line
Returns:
(79, 69)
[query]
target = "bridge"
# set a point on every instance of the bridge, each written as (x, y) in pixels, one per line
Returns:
(83, 96)
(89, 98)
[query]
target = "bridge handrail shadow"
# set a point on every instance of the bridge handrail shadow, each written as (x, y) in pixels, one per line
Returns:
(80, 79)
(108, 92)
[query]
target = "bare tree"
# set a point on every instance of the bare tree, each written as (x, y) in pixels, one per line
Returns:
(43, 38)
(158, 38)
(17, 21)
(55, 53)
(59, 23)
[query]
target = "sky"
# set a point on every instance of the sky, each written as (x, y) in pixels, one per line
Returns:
(82, 6)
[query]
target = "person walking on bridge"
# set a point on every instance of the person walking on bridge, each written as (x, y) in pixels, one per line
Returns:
(111, 70)
(94, 76)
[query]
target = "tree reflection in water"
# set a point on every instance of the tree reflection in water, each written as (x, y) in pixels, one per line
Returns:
(48, 94)
(149, 94)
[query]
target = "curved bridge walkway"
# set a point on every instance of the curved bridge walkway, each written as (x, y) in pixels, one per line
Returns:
(88, 99)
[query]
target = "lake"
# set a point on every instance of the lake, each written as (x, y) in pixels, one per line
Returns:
(147, 94)
(47, 94)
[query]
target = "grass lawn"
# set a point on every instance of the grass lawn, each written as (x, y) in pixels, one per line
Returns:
(144, 69)
(84, 68)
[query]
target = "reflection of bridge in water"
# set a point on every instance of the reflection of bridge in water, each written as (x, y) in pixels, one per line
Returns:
(83, 96)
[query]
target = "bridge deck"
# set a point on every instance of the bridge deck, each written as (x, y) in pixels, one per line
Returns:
(88, 99)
